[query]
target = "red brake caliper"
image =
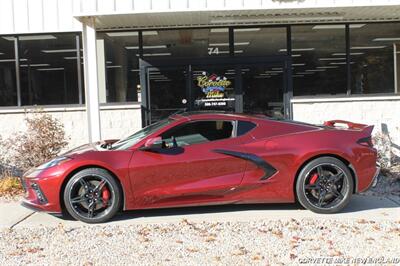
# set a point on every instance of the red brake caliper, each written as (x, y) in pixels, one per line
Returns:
(313, 179)
(105, 195)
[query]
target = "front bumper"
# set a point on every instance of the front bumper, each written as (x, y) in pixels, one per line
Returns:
(41, 194)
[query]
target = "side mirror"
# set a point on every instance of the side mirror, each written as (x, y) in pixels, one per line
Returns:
(153, 143)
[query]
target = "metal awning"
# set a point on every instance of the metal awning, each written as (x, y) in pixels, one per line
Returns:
(177, 19)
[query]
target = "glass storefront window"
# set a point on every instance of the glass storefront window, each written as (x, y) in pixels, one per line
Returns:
(319, 59)
(48, 69)
(166, 44)
(374, 51)
(263, 86)
(8, 88)
(259, 41)
(118, 60)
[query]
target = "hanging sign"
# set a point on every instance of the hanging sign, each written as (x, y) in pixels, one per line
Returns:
(214, 88)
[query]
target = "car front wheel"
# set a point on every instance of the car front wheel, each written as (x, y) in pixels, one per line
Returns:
(92, 196)
(324, 185)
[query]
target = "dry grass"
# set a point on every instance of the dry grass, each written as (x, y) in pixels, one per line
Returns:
(10, 186)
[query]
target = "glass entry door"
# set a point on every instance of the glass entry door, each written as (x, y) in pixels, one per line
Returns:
(252, 85)
(166, 91)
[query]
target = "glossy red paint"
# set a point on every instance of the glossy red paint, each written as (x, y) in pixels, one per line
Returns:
(197, 175)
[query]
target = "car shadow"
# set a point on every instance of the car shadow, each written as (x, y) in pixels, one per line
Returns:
(182, 211)
(358, 203)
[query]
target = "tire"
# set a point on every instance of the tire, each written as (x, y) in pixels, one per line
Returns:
(85, 191)
(324, 185)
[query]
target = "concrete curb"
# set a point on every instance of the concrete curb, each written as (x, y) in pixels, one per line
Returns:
(12, 214)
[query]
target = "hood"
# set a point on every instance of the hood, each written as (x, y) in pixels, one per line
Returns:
(95, 146)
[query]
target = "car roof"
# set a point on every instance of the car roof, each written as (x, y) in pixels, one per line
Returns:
(231, 115)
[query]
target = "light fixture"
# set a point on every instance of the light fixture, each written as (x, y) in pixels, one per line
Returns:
(305, 73)
(340, 63)
(35, 65)
(1, 53)
(316, 70)
(273, 71)
(297, 49)
(116, 66)
(219, 30)
(337, 26)
(135, 70)
(296, 55)
(156, 54)
(32, 38)
(246, 29)
(7, 60)
(71, 57)
(146, 47)
(386, 39)
(367, 47)
(342, 54)
(326, 67)
(227, 44)
(50, 69)
(331, 58)
(299, 64)
(131, 33)
(59, 51)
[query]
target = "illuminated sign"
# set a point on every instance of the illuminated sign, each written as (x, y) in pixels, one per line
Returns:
(213, 86)
(217, 91)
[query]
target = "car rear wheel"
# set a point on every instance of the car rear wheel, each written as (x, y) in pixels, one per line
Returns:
(92, 196)
(324, 185)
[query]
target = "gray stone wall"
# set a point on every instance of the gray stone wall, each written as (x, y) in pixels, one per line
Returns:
(381, 111)
(116, 121)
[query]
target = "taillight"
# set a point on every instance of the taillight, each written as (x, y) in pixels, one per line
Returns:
(367, 141)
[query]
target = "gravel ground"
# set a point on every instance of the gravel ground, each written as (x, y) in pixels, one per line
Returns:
(386, 186)
(221, 243)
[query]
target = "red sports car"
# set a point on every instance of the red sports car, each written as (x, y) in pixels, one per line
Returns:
(208, 158)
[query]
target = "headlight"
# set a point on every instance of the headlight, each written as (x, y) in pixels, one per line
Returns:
(54, 162)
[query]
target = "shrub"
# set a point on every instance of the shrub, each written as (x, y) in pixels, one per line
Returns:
(43, 139)
(10, 186)
(384, 147)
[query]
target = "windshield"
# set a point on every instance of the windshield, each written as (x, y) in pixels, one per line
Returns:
(139, 135)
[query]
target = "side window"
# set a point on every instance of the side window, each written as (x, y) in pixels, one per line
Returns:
(199, 132)
(244, 127)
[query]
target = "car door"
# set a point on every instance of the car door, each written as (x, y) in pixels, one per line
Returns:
(191, 172)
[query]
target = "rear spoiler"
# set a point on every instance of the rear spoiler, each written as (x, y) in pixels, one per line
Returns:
(350, 125)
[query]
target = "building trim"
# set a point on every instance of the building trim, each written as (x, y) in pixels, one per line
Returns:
(67, 108)
(345, 98)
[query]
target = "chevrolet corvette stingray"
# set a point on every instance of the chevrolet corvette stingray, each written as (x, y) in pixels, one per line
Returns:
(200, 158)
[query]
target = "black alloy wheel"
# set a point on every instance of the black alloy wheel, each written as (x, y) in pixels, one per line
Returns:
(324, 185)
(92, 196)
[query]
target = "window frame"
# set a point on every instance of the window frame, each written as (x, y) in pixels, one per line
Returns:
(233, 135)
